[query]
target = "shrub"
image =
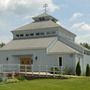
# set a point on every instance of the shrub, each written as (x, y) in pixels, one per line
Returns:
(54, 70)
(87, 70)
(12, 80)
(21, 78)
(1, 80)
(68, 71)
(78, 69)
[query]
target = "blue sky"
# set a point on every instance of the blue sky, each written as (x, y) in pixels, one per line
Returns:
(72, 14)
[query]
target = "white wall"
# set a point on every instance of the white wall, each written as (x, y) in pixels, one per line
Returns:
(86, 61)
(79, 58)
(42, 58)
(69, 61)
(66, 34)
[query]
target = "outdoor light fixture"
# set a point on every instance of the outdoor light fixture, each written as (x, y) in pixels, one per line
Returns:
(7, 58)
(36, 58)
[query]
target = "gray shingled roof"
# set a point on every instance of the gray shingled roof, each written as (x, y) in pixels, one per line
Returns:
(60, 47)
(37, 43)
(42, 25)
(45, 15)
(38, 25)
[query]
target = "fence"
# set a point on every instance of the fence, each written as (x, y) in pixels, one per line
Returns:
(30, 69)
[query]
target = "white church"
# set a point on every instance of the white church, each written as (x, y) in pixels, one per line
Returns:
(44, 42)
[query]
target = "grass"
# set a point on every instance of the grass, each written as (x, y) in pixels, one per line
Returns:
(49, 84)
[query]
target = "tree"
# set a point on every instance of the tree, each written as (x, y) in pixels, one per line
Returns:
(2, 44)
(78, 69)
(86, 45)
(87, 70)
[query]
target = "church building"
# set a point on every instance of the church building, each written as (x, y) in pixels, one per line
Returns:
(44, 42)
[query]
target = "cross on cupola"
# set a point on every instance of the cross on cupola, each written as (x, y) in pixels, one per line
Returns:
(44, 16)
(45, 7)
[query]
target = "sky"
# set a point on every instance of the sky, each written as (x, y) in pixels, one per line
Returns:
(74, 15)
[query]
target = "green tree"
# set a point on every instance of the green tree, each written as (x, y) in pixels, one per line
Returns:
(78, 69)
(86, 45)
(2, 44)
(87, 70)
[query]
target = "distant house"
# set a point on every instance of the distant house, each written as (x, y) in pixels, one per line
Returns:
(44, 42)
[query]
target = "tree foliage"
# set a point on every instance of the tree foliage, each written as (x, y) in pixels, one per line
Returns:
(78, 69)
(2, 44)
(86, 45)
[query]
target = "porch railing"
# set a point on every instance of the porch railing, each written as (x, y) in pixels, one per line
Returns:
(18, 68)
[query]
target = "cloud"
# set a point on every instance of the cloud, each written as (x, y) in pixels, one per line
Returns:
(81, 26)
(59, 23)
(25, 6)
(83, 39)
(76, 15)
(85, 27)
(14, 13)
(5, 39)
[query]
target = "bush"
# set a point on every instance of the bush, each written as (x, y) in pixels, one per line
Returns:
(1, 80)
(78, 69)
(11, 80)
(87, 70)
(21, 78)
(68, 71)
(54, 70)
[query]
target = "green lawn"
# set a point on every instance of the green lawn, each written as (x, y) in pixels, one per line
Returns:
(49, 84)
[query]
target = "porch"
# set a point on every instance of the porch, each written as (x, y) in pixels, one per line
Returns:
(30, 69)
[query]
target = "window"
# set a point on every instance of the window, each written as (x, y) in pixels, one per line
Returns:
(53, 32)
(21, 35)
(37, 34)
(32, 34)
(42, 33)
(60, 61)
(7, 58)
(17, 35)
(48, 32)
(27, 34)
(41, 18)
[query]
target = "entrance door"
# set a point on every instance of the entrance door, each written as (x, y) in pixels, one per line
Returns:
(25, 62)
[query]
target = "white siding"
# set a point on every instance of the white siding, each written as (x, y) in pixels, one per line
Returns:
(42, 58)
(79, 58)
(86, 61)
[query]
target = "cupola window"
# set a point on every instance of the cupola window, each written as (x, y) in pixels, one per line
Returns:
(17, 35)
(42, 33)
(37, 34)
(42, 19)
(32, 34)
(21, 35)
(27, 35)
